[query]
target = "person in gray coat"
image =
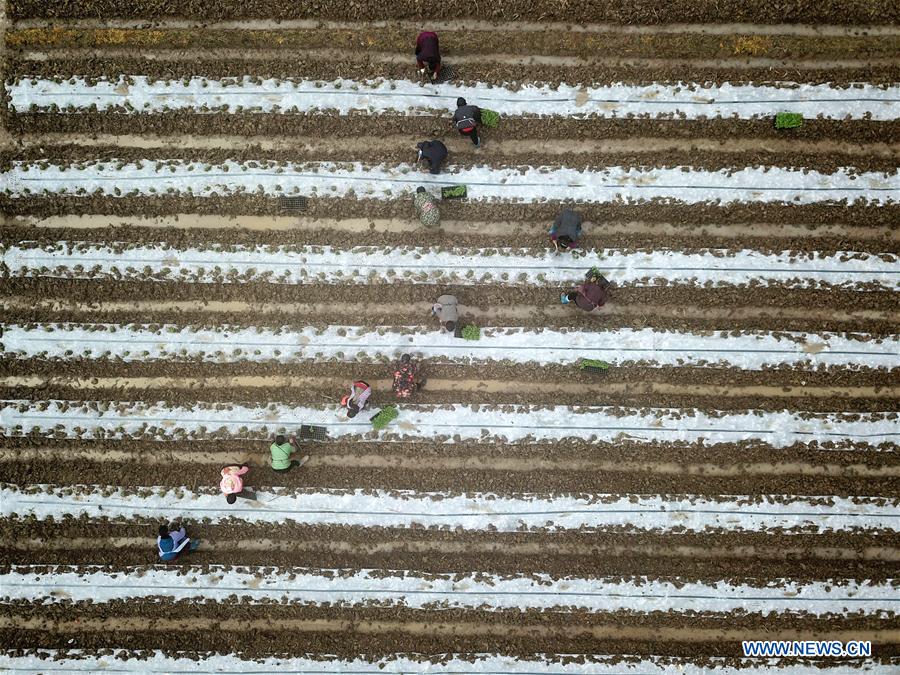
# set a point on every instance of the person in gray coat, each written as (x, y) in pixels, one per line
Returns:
(445, 309)
(566, 230)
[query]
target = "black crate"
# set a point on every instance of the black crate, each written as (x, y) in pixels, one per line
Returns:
(447, 73)
(292, 204)
(309, 432)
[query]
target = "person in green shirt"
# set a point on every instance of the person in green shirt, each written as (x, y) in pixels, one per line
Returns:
(281, 453)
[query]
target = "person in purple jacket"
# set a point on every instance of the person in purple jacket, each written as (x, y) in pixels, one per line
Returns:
(428, 54)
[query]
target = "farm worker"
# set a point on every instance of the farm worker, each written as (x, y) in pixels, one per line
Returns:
(428, 54)
(566, 230)
(232, 485)
(405, 378)
(445, 309)
(466, 119)
(427, 210)
(589, 296)
(281, 453)
(433, 152)
(171, 543)
(357, 399)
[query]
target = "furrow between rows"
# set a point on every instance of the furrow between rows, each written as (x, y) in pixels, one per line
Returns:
(297, 128)
(465, 26)
(223, 344)
(447, 423)
(336, 588)
(348, 633)
(774, 310)
(547, 71)
(549, 155)
(367, 265)
(474, 39)
(477, 390)
(711, 555)
(343, 232)
(471, 512)
(705, 14)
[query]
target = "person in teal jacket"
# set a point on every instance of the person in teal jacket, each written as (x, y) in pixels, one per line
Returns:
(172, 543)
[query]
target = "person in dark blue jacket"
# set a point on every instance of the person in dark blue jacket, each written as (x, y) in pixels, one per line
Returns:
(171, 543)
(433, 152)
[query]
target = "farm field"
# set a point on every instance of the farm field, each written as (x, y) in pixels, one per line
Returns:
(732, 475)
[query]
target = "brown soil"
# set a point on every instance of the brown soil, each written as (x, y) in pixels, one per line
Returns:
(348, 632)
(490, 382)
(419, 297)
(712, 556)
(723, 159)
(117, 121)
(376, 39)
(768, 42)
(826, 212)
(301, 66)
(879, 12)
(467, 234)
(428, 469)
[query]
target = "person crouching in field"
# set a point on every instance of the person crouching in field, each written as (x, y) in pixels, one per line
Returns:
(589, 296)
(434, 153)
(445, 309)
(428, 54)
(466, 120)
(281, 450)
(566, 230)
(427, 210)
(357, 399)
(232, 485)
(172, 543)
(406, 378)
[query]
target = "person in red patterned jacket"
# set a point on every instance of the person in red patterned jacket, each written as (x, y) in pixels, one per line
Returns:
(428, 54)
(406, 379)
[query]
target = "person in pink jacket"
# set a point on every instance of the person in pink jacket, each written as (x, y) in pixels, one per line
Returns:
(232, 485)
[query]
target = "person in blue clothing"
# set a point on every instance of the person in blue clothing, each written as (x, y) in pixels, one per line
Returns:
(172, 543)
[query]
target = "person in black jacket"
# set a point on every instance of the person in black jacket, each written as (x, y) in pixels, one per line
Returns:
(433, 152)
(466, 120)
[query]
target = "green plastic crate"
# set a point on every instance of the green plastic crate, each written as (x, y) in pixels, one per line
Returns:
(471, 333)
(490, 118)
(385, 416)
(454, 192)
(788, 120)
(593, 365)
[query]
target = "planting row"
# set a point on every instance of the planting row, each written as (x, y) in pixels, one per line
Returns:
(479, 590)
(233, 344)
(138, 93)
(472, 511)
(449, 423)
(40, 661)
(292, 265)
(330, 180)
